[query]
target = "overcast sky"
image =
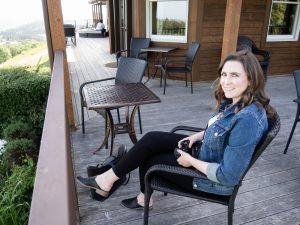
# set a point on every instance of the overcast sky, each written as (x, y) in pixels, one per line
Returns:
(18, 12)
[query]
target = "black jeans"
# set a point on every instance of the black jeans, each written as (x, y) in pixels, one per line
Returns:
(153, 148)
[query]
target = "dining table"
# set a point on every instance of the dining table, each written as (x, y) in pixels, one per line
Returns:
(161, 54)
(108, 97)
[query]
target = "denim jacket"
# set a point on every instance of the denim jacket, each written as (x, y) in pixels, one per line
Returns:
(228, 145)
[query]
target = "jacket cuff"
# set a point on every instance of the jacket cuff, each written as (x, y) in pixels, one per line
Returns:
(211, 171)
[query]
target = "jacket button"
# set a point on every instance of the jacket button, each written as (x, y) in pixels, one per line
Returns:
(216, 134)
(195, 185)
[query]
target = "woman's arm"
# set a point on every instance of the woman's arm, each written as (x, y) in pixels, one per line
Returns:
(187, 160)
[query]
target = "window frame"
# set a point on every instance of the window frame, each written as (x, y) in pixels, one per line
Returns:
(165, 38)
(285, 37)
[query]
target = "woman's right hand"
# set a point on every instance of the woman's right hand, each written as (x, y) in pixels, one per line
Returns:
(193, 138)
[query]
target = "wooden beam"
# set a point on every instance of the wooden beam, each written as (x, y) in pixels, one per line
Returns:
(58, 43)
(139, 18)
(231, 27)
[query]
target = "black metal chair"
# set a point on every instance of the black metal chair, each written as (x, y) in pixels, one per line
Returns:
(130, 70)
(246, 43)
(185, 65)
(135, 49)
(297, 101)
(69, 30)
(155, 182)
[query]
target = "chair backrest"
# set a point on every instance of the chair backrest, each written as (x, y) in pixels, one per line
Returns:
(130, 70)
(274, 127)
(297, 82)
(245, 43)
(136, 45)
(69, 30)
(192, 51)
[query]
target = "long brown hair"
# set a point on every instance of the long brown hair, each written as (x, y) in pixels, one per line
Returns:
(255, 92)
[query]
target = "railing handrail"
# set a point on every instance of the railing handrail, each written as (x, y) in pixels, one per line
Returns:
(54, 197)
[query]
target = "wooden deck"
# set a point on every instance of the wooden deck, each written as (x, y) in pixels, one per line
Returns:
(271, 190)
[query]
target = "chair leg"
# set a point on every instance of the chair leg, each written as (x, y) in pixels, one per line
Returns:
(191, 75)
(140, 120)
(230, 214)
(165, 81)
(147, 201)
(293, 129)
(186, 79)
(106, 144)
(82, 119)
(161, 75)
(119, 119)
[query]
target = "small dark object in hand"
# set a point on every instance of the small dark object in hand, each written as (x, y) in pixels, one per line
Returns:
(184, 147)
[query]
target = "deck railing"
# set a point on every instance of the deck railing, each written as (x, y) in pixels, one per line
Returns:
(54, 198)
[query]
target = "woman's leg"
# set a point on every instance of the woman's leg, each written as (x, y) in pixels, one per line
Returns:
(149, 145)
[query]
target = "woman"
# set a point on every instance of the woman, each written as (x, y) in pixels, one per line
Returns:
(228, 142)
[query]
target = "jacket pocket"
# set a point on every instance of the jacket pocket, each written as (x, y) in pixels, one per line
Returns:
(217, 137)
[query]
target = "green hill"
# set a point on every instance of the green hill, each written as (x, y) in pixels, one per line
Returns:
(32, 31)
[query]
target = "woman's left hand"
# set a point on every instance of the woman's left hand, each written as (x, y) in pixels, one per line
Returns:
(184, 159)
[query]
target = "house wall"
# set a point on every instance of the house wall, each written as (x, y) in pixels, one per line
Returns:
(206, 25)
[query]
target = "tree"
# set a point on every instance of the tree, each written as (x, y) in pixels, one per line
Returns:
(4, 54)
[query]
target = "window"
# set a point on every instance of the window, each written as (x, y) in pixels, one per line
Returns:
(167, 20)
(284, 21)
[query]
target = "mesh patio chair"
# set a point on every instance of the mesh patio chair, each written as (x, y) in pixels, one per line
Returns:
(155, 182)
(264, 61)
(69, 30)
(297, 101)
(130, 70)
(184, 65)
(134, 51)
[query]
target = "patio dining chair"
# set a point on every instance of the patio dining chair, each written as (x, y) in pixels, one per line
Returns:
(153, 181)
(264, 56)
(134, 51)
(297, 101)
(130, 70)
(184, 65)
(69, 30)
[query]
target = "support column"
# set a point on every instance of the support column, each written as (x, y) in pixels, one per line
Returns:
(231, 27)
(58, 43)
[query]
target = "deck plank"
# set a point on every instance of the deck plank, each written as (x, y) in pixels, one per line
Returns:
(270, 191)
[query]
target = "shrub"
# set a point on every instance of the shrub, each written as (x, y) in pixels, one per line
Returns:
(4, 54)
(23, 96)
(19, 130)
(16, 151)
(15, 195)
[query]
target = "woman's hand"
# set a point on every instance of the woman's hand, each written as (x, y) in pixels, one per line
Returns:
(184, 159)
(193, 138)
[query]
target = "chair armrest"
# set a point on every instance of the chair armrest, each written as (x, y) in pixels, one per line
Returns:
(142, 52)
(174, 61)
(186, 128)
(174, 170)
(119, 53)
(265, 54)
(91, 82)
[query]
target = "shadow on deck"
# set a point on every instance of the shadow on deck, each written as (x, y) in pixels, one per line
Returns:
(271, 190)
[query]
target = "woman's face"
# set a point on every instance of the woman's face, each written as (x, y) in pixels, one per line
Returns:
(233, 80)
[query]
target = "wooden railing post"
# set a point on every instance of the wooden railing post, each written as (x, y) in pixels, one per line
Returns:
(54, 198)
(231, 27)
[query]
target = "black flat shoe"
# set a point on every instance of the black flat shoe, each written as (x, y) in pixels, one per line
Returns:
(132, 203)
(91, 183)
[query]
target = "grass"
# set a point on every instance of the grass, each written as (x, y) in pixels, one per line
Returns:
(33, 57)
